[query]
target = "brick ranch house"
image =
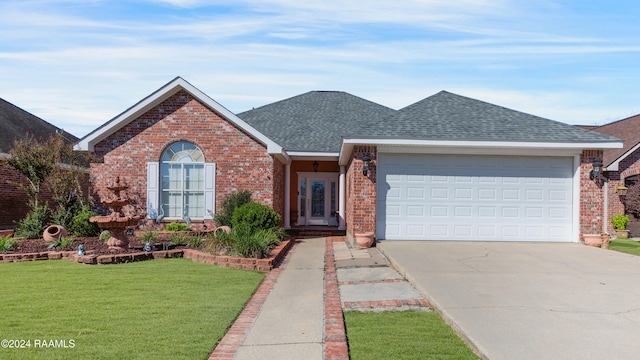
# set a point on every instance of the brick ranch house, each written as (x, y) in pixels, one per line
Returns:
(445, 168)
(621, 166)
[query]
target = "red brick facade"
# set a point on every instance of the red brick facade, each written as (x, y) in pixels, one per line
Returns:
(630, 166)
(242, 163)
(14, 205)
(591, 195)
(14, 200)
(361, 192)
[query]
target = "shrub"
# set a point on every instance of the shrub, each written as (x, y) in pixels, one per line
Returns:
(229, 205)
(256, 216)
(194, 241)
(63, 216)
(632, 200)
(66, 241)
(253, 244)
(34, 224)
(105, 235)
(7, 243)
(80, 225)
(620, 222)
(149, 236)
(177, 227)
(179, 239)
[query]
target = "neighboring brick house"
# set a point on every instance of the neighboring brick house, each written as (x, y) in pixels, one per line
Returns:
(445, 168)
(16, 123)
(621, 166)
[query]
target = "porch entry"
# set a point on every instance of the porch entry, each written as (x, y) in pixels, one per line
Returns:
(317, 198)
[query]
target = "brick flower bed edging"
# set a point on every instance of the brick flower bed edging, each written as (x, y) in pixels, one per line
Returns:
(277, 254)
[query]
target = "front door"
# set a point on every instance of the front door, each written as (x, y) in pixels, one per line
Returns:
(317, 198)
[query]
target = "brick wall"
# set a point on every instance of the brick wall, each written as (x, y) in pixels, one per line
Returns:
(361, 193)
(14, 203)
(591, 195)
(630, 166)
(241, 162)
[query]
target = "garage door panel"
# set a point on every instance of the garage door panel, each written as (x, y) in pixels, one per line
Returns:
(474, 197)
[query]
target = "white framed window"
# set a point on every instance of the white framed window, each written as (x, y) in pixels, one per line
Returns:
(182, 185)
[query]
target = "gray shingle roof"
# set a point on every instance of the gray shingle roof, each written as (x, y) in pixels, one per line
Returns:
(315, 121)
(15, 123)
(447, 116)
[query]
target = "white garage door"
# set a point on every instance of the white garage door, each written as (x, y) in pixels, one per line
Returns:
(485, 198)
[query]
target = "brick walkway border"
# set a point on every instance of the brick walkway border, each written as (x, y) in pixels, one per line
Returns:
(335, 336)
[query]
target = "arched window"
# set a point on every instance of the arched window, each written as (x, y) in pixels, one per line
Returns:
(182, 181)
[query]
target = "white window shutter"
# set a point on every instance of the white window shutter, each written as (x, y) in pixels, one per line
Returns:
(153, 190)
(209, 190)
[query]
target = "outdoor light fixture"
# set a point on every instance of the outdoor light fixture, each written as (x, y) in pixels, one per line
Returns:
(596, 172)
(315, 166)
(366, 159)
(621, 190)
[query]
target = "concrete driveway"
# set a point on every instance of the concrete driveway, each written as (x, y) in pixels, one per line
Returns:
(529, 300)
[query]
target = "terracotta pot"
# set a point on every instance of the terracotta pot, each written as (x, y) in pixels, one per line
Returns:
(54, 232)
(364, 240)
(592, 239)
(622, 234)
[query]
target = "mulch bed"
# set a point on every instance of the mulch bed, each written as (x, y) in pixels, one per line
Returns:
(91, 244)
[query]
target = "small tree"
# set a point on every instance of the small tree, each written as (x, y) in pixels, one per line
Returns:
(36, 161)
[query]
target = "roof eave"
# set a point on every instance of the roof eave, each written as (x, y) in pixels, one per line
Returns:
(348, 144)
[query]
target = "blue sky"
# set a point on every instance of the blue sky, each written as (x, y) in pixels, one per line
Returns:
(79, 63)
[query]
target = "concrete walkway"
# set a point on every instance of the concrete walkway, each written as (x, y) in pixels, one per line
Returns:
(290, 324)
(296, 312)
(529, 300)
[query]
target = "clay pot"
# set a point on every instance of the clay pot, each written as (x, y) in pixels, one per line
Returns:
(364, 240)
(54, 232)
(622, 234)
(221, 228)
(592, 239)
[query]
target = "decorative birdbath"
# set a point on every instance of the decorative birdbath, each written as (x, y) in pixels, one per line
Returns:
(116, 222)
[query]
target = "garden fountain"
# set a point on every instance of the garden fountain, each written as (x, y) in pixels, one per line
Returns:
(116, 222)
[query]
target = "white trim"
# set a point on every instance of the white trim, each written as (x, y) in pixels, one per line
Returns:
(478, 151)
(342, 198)
(168, 90)
(576, 199)
(470, 147)
(615, 166)
(287, 196)
(209, 191)
(153, 190)
(307, 155)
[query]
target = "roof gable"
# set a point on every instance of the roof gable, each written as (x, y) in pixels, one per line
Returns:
(16, 123)
(447, 116)
(626, 129)
(162, 94)
(315, 121)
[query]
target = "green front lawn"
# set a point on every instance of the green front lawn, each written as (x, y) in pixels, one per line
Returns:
(626, 246)
(403, 335)
(161, 309)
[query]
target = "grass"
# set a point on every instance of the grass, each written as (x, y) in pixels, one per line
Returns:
(402, 335)
(628, 246)
(163, 309)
